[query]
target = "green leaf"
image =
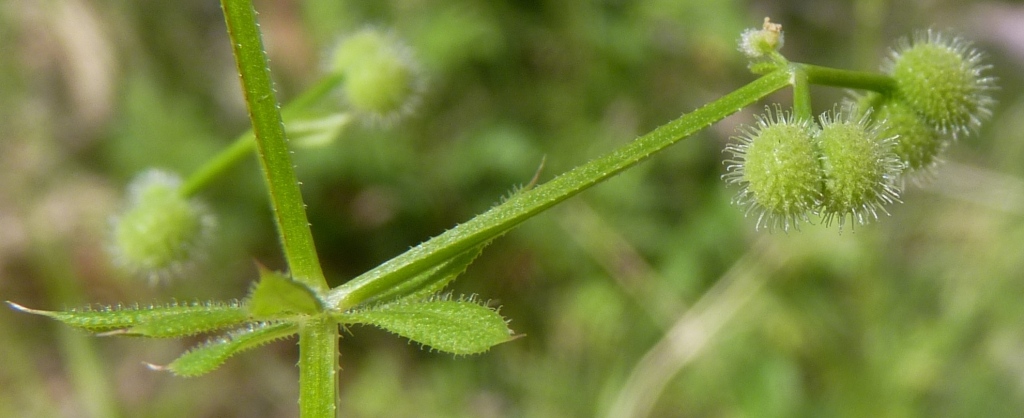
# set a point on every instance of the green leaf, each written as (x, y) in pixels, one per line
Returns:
(187, 323)
(432, 280)
(208, 356)
(277, 294)
(457, 327)
(160, 321)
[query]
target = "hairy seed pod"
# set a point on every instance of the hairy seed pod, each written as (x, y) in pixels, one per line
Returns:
(161, 233)
(357, 46)
(777, 165)
(381, 80)
(943, 79)
(917, 144)
(860, 169)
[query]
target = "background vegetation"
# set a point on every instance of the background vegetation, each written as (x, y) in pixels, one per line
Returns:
(650, 288)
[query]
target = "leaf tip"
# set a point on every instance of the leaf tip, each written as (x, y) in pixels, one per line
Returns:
(156, 367)
(21, 308)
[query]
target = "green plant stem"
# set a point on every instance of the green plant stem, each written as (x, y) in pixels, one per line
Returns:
(271, 146)
(835, 77)
(318, 368)
(245, 143)
(313, 94)
(527, 204)
(220, 164)
(801, 94)
(318, 339)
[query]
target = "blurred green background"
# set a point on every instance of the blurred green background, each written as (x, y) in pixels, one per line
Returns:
(649, 295)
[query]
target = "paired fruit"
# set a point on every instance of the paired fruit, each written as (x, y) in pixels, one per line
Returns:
(791, 168)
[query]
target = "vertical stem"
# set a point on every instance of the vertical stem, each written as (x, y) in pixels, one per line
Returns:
(279, 173)
(318, 338)
(801, 94)
(318, 368)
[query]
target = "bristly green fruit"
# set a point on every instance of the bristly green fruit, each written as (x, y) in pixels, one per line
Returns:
(942, 77)
(355, 47)
(777, 165)
(381, 79)
(859, 166)
(160, 234)
(917, 144)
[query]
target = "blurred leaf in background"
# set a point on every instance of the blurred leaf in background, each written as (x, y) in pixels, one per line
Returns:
(916, 315)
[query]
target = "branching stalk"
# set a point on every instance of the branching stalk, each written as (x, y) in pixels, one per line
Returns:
(527, 204)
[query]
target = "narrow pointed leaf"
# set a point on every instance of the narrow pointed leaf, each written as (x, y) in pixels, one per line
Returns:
(190, 322)
(277, 294)
(161, 321)
(432, 280)
(208, 356)
(457, 327)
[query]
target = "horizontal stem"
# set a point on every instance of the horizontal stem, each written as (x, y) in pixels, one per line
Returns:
(835, 77)
(527, 204)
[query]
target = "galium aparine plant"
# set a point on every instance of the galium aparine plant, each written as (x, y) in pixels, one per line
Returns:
(789, 166)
